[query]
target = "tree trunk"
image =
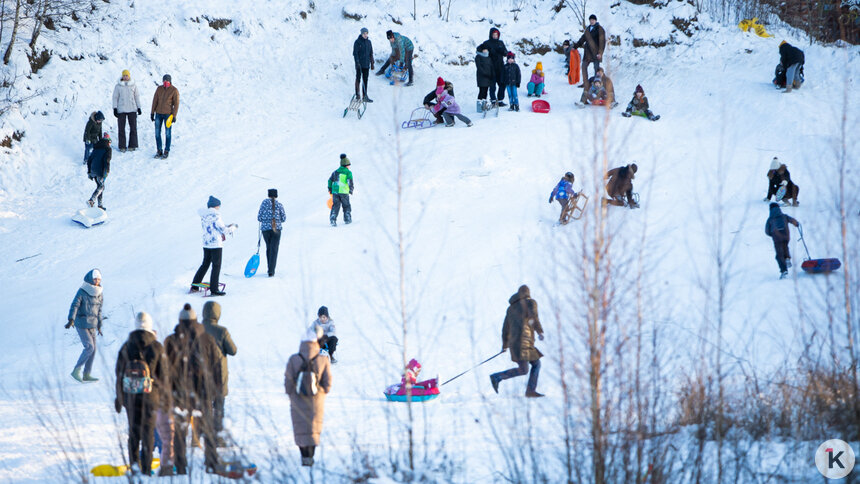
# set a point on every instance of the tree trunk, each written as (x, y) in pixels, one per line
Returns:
(8, 54)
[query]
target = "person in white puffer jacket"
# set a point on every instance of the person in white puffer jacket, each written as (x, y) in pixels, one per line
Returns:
(214, 234)
(126, 107)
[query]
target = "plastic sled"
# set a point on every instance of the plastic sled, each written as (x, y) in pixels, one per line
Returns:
(396, 72)
(575, 208)
(641, 114)
(235, 470)
(107, 470)
(420, 118)
(780, 193)
(169, 121)
(330, 202)
(357, 105)
(252, 265)
(540, 106)
(574, 74)
(205, 287)
(397, 393)
(90, 216)
(817, 266)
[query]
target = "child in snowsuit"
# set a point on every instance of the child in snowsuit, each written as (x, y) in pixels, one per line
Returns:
(329, 337)
(776, 228)
(446, 101)
(620, 185)
(85, 315)
(596, 91)
(778, 176)
(92, 132)
(535, 85)
(485, 77)
(639, 104)
(563, 192)
(98, 167)
(430, 98)
(565, 47)
(413, 368)
(214, 235)
(340, 187)
(512, 79)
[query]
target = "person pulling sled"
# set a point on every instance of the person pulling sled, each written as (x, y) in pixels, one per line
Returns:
(518, 335)
(568, 199)
(776, 228)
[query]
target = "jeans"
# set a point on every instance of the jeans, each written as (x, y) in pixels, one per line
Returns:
(210, 256)
(585, 76)
(88, 148)
(512, 94)
(520, 370)
(792, 76)
(132, 130)
(273, 240)
(159, 120)
(99, 191)
(88, 355)
(536, 89)
(339, 199)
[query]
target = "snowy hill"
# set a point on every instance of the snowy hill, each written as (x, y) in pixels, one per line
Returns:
(261, 106)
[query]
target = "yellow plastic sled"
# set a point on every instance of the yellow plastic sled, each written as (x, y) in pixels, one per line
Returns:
(752, 24)
(107, 470)
(169, 121)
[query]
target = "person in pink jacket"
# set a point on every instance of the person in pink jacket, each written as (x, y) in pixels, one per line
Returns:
(536, 85)
(444, 100)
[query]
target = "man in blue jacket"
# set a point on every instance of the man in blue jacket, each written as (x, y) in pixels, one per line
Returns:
(362, 52)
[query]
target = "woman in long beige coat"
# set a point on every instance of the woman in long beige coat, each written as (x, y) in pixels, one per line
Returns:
(307, 411)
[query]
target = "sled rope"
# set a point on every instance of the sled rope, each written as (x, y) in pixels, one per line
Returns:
(472, 368)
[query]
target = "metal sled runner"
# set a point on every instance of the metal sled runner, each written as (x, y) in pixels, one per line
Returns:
(357, 105)
(487, 107)
(420, 118)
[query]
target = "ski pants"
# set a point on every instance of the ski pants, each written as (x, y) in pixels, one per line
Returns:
(132, 130)
(141, 437)
(273, 240)
(361, 74)
(536, 89)
(563, 202)
(521, 370)
(339, 199)
(213, 257)
(159, 120)
(331, 345)
(88, 355)
(781, 247)
(512, 94)
(449, 118)
(181, 423)
(218, 414)
(164, 428)
(99, 191)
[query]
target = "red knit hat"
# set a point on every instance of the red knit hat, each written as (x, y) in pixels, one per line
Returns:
(639, 89)
(440, 82)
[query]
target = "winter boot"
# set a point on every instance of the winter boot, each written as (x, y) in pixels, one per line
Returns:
(160, 154)
(88, 377)
(407, 85)
(469, 124)
(217, 293)
(627, 114)
(494, 380)
(103, 208)
(782, 275)
(513, 107)
(533, 394)
(788, 262)
(76, 374)
(517, 106)
(367, 99)
(501, 104)
(347, 218)
(333, 222)
(166, 154)
(90, 202)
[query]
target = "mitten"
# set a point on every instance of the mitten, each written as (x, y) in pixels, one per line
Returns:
(152, 116)
(550, 199)
(117, 405)
(69, 324)
(174, 119)
(115, 114)
(139, 112)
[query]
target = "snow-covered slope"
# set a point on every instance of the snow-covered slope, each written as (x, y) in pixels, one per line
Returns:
(261, 106)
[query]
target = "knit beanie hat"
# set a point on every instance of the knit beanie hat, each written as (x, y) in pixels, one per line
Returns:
(273, 193)
(389, 34)
(323, 311)
(440, 82)
(511, 55)
(639, 89)
(143, 321)
(167, 78)
(592, 16)
(213, 202)
(187, 313)
(344, 161)
(96, 274)
(364, 30)
(633, 167)
(539, 66)
(99, 116)
(126, 73)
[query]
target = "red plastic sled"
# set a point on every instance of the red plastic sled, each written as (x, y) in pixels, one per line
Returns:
(540, 106)
(817, 266)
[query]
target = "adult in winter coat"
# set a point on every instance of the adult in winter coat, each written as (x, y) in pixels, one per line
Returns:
(165, 103)
(329, 338)
(607, 85)
(512, 81)
(792, 61)
(92, 132)
(518, 335)
(362, 52)
(593, 42)
(195, 378)
(776, 228)
(497, 51)
(563, 193)
(447, 105)
(619, 185)
(214, 235)
(401, 50)
(98, 168)
(126, 107)
(142, 373)
(85, 315)
(271, 217)
(485, 77)
(340, 187)
(430, 99)
(226, 346)
(777, 176)
(307, 411)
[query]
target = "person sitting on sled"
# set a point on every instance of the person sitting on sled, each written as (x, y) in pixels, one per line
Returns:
(413, 368)
(778, 176)
(596, 92)
(430, 98)
(564, 193)
(619, 184)
(639, 104)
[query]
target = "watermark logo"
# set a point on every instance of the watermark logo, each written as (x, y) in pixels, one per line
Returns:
(834, 459)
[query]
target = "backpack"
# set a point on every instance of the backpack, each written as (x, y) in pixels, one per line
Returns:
(137, 379)
(306, 381)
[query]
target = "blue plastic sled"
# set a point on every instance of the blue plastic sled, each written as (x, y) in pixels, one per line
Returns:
(254, 262)
(396, 72)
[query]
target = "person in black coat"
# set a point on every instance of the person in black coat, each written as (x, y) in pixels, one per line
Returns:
(792, 60)
(593, 42)
(98, 167)
(497, 51)
(512, 81)
(485, 77)
(362, 52)
(776, 228)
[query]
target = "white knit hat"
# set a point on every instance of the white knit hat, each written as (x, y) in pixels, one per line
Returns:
(314, 333)
(775, 163)
(143, 321)
(96, 274)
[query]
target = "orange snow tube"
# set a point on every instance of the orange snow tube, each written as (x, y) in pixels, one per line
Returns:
(575, 61)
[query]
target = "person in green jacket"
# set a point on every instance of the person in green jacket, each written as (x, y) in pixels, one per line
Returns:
(401, 50)
(340, 187)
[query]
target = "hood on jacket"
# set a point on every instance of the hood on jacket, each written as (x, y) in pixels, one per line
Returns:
(141, 338)
(125, 83)
(774, 210)
(211, 312)
(309, 349)
(522, 293)
(496, 31)
(484, 54)
(90, 277)
(191, 329)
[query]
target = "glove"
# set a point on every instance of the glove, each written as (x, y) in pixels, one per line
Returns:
(540, 336)
(223, 237)
(139, 112)
(115, 114)
(69, 324)
(117, 405)
(152, 116)
(372, 66)
(550, 199)
(174, 119)
(99, 331)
